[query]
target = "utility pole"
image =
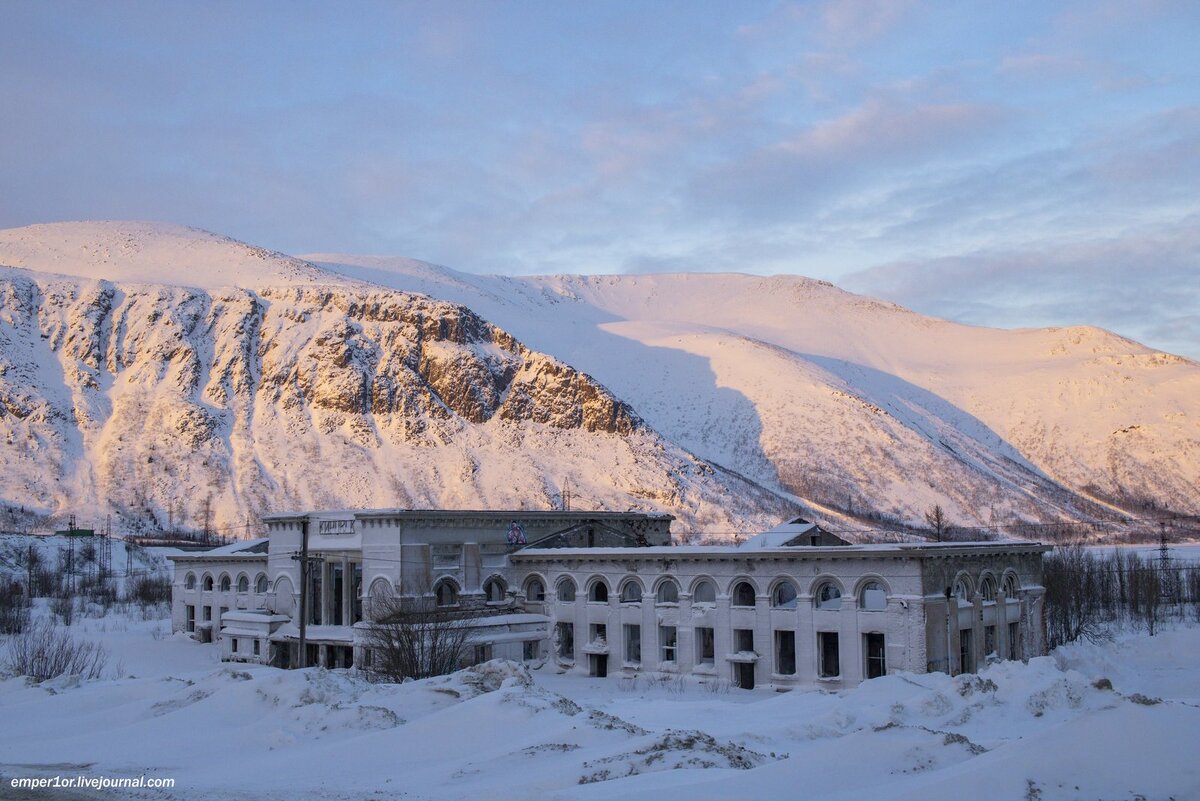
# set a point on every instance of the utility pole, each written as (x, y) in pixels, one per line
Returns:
(306, 563)
(1164, 562)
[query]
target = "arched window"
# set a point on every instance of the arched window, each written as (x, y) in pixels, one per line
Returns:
(566, 590)
(1010, 586)
(243, 583)
(260, 584)
(987, 588)
(598, 592)
(784, 596)
(446, 593)
(872, 597)
(962, 590)
(207, 584)
(743, 594)
(705, 592)
(495, 590)
(189, 583)
(668, 592)
(225, 584)
(535, 590)
(829, 597)
(631, 592)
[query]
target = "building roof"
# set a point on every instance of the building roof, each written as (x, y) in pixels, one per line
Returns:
(526, 514)
(242, 550)
(898, 549)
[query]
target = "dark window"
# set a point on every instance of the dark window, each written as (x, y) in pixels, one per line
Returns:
(989, 640)
(257, 647)
(260, 584)
(873, 598)
(743, 594)
(966, 654)
(827, 643)
(599, 593)
(876, 657)
(633, 643)
(535, 591)
(784, 596)
(566, 590)
(207, 613)
(668, 592)
(743, 639)
(599, 633)
(243, 584)
(785, 653)
(566, 640)
(446, 594)
(314, 599)
(705, 593)
(706, 649)
(631, 592)
(233, 645)
(667, 638)
(829, 597)
(356, 589)
(337, 586)
(495, 590)
(529, 650)
(1014, 640)
(191, 617)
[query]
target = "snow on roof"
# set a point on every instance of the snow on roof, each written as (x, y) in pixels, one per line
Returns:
(780, 536)
(255, 547)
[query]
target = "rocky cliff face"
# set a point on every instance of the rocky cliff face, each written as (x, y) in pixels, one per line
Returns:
(168, 406)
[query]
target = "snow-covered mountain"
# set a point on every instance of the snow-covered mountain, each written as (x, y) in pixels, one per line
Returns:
(158, 372)
(264, 384)
(857, 403)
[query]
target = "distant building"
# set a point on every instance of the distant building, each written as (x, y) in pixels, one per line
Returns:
(606, 594)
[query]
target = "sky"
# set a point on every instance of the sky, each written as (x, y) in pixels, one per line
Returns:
(1010, 164)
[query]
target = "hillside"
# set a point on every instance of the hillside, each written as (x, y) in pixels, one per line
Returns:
(171, 404)
(169, 375)
(859, 403)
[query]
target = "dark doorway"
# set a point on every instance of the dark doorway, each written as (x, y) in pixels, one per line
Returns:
(743, 675)
(876, 659)
(600, 665)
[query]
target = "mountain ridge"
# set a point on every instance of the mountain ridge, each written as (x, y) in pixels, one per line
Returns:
(758, 391)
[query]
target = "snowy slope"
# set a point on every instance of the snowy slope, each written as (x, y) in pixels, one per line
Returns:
(855, 402)
(147, 368)
(156, 401)
(1044, 730)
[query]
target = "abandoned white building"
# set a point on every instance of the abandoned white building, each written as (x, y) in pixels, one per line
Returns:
(606, 594)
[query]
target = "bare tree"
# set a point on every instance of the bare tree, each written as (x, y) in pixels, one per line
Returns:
(1073, 608)
(936, 519)
(415, 638)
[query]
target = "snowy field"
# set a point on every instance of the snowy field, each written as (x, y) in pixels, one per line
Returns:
(1046, 730)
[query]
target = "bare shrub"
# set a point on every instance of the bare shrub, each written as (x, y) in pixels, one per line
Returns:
(151, 591)
(46, 650)
(63, 607)
(14, 608)
(415, 638)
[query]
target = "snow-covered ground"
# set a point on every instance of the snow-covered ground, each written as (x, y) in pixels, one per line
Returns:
(1044, 730)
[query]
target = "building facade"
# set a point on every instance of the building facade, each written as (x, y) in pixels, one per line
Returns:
(605, 594)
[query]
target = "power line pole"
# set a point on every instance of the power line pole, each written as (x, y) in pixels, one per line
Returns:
(306, 563)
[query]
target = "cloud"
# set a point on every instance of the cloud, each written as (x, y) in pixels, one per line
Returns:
(819, 161)
(1143, 281)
